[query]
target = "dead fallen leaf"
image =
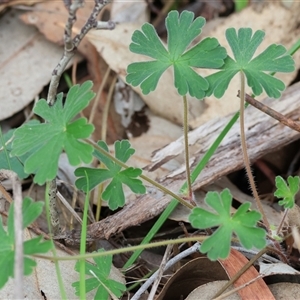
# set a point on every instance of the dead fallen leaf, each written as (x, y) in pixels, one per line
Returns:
(50, 18)
(9, 3)
(129, 11)
(27, 60)
(258, 289)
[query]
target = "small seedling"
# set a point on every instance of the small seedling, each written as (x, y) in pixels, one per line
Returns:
(31, 210)
(113, 193)
(242, 223)
(100, 279)
(287, 191)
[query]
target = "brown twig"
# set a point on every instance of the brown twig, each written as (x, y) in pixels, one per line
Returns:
(272, 113)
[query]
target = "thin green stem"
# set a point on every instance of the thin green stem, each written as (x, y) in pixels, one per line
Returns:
(245, 153)
(186, 147)
(125, 249)
(82, 286)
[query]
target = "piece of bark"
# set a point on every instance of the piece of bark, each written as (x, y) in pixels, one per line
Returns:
(263, 133)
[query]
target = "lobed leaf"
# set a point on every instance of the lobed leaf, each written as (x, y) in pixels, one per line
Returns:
(206, 54)
(242, 223)
(43, 143)
(113, 193)
(101, 278)
(287, 191)
(243, 45)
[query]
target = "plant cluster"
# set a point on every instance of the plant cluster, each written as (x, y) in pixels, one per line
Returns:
(28, 149)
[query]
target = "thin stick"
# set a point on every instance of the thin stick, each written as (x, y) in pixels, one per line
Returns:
(245, 153)
(160, 272)
(225, 295)
(272, 113)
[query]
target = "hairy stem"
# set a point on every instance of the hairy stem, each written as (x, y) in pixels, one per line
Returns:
(245, 153)
(186, 147)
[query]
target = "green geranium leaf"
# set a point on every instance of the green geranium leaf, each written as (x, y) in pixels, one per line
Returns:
(182, 30)
(31, 210)
(100, 278)
(287, 191)
(59, 133)
(242, 223)
(113, 193)
(243, 45)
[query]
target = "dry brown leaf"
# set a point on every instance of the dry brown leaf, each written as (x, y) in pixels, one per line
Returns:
(129, 11)
(50, 18)
(258, 289)
(191, 275)
(9, 3)
(27, 60)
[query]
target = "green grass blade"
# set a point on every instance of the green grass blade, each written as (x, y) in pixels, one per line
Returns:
(82, 289)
